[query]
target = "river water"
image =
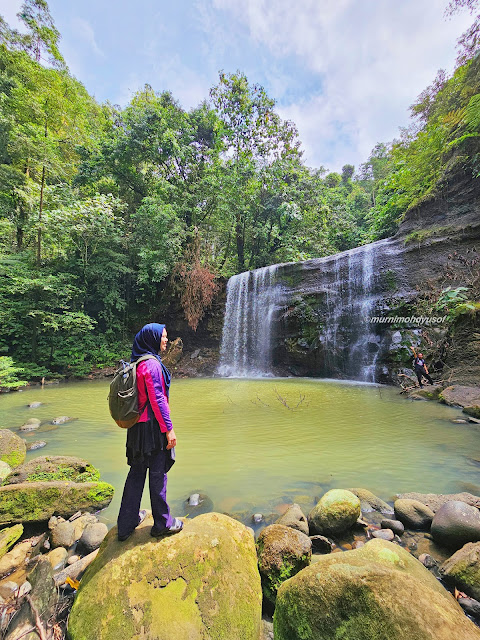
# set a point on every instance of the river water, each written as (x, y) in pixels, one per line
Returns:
(254, 445)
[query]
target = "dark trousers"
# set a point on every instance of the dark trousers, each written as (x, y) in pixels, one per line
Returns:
(421, 372)
(133, 490)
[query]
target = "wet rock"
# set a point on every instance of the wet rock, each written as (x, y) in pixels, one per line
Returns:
(93, 536)
(462, 396)
(384, 534)
(336, 512)
(57, 558)
(72, 559)
(282, 552)
(15, 558)
(51, 468)
(427, 560)
(81, 523)
(463, 569)
(32, 424)
(413, 513)
(8, 538)
(378, 591)
(395, 525)
(7, 589)
(455, 524)
(12, 448)
(210, 586)
(63, 420)
(38, 444)
(436, 500)
(197, 503)
(321, 544)
(370, 502)
(294, 518)
(257, 518)
(38, 501)
(35, 405)
(470, 606)
(459, 421)
(63, 535)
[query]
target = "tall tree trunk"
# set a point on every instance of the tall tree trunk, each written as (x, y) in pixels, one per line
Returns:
(240, 242)
(40, 209)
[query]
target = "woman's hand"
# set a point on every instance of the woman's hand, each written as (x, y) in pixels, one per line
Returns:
(171, 439)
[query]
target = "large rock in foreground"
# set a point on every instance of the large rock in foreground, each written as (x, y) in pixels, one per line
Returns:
(52, 468)
(38, 501)
(378, 592)
(282, 552)
(335, 512)
(463, 569)
(455, 524)
(12, 448)
(200, 584)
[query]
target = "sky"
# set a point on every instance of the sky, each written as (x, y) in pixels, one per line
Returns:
(344, 71)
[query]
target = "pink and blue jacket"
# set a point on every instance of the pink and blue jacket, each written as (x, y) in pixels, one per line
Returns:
(151, 387)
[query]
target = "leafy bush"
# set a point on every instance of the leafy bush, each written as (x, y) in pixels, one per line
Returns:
(8, 374)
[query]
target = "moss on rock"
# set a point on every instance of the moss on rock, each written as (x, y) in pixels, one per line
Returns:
(378, 592)
(335, 512)
(38, 501)
(282, 553)
(8, 537)
(12, 448)
(203, 583)
(52, 468)
(463, 569)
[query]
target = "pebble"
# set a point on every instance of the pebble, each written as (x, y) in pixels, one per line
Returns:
(395, 525)
(427, 560)
(39, 444)
(73, 559)
(194, 500)
(8, 588)
(384, 534)
(57, 558)
(35, 405)
(257, 518)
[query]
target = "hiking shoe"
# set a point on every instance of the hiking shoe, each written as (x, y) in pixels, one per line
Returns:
(175, 527)
(141, 517)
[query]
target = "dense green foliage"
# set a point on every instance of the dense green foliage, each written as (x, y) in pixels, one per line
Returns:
(106, 212)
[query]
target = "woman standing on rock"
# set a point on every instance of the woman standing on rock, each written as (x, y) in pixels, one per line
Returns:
(150, 442)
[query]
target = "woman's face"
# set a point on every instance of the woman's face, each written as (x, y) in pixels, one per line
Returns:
(163, 341)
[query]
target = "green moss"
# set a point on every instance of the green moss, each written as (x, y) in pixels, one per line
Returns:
(102, 492)
(14, 458)
(65, 473)
(8, 537)
(423, 234)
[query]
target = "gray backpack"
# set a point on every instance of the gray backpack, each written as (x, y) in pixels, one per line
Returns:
(123, 395)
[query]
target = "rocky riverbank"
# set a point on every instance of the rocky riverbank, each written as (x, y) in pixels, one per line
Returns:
(343, 563)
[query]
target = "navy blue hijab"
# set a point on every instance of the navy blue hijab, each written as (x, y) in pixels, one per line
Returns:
(148, 341)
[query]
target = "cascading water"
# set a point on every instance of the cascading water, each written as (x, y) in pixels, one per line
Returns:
(342, 291)
(253, 298)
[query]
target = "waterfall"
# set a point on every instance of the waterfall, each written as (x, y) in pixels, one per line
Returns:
(253, 298)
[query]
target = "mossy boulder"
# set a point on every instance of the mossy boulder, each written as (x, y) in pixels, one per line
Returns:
(463, 569)
(377, 592)
(200, 584)
(52, 468)
(12, 448)
(335, 512)
(8, 537)
(38, 501)
(282, 553)
(461, 396)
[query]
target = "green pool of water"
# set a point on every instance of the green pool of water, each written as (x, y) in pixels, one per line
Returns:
(253, 445)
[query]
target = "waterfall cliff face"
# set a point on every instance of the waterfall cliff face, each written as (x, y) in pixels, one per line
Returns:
(251, 316)
(328, 313)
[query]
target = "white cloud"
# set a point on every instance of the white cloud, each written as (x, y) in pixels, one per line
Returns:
(371, 60)
(85, 32)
